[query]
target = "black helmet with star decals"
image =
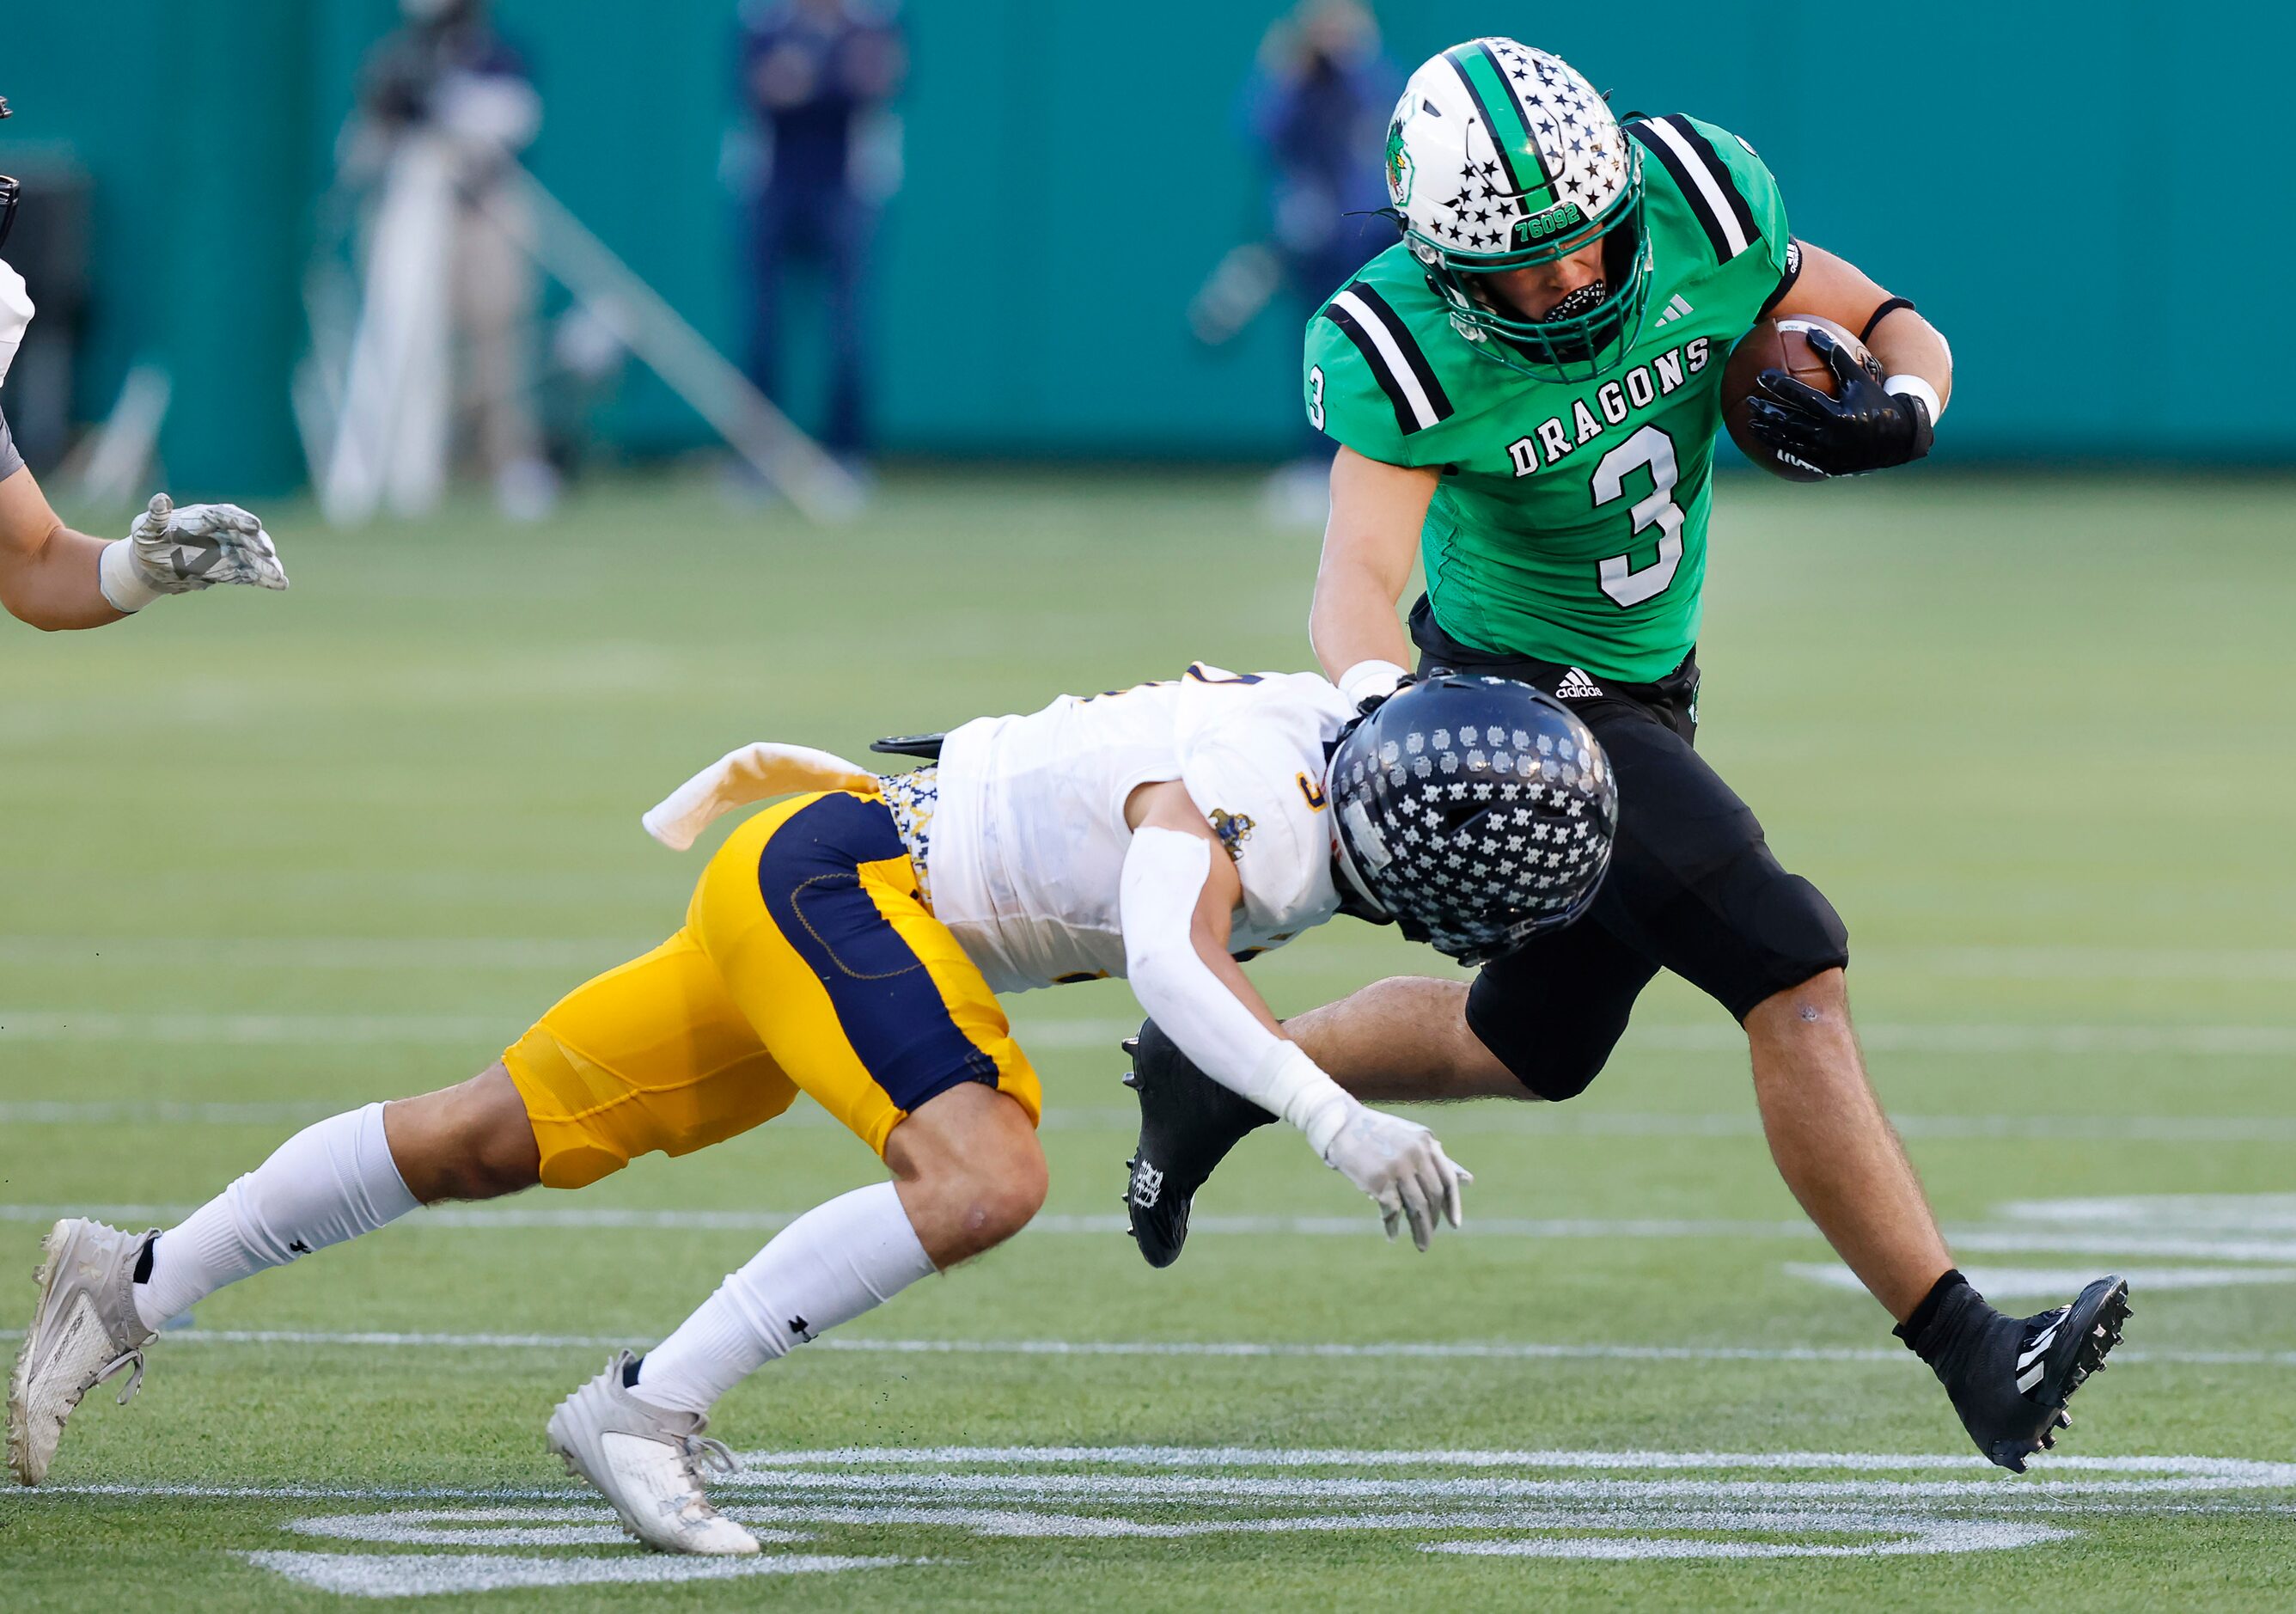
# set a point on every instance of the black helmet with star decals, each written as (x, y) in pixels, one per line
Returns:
(1474, 812)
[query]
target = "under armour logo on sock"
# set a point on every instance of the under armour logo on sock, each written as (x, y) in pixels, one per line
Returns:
(297, 1247)
(799, 1327)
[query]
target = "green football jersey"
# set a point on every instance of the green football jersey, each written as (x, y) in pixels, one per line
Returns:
(1569, 523)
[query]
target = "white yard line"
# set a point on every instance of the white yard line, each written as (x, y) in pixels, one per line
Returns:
(2248, 1213)
(19, 1026)
(2054, 1283)
(1228, 1488)
(1567, 1505)
(448, 1574)
(1209, 1472)
(1525, 1120)
(514, 1215)
(1317, 1457)
(321, 953)
(231, 1028)
(2101, 1240)
(1978, 961)
(1219, 1350)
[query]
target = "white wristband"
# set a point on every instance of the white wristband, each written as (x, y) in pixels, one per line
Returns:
(1369, 680)
(1913, 385)
(116, 576)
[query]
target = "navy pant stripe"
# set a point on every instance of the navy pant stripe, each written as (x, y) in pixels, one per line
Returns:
(887, 1002)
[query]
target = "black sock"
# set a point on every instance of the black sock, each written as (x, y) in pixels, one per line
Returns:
(1914, 1327)
(144, 1260)
(630, 1371)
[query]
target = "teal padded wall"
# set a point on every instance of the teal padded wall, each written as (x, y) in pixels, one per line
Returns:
(2086, 197)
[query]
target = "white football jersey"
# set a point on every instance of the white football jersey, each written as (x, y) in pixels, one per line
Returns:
(1026, 852)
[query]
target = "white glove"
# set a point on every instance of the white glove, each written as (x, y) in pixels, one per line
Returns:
(1397, 1162)
(15, 313)
(179, 551)
(738, 778)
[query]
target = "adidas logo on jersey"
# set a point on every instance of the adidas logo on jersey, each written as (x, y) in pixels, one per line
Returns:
(1676, 307)
(1577, 686)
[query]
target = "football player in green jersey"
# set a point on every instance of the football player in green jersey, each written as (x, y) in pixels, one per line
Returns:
(1525, 393)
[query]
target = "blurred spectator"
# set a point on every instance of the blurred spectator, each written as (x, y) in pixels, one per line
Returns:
(1318, 104)
(447, 72)
(818, 75)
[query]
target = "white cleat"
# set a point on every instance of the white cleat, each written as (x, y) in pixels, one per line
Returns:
(647, 1461)
(85, 1330)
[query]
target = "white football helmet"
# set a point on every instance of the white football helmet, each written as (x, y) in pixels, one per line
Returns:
(1501, 157)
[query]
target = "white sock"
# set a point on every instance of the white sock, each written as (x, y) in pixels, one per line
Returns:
(831, 1265)
(328, 1183)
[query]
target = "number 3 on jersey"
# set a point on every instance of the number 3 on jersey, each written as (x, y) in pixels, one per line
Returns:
(1621, 580)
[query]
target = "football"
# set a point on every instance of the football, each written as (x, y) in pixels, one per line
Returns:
(1781, 344)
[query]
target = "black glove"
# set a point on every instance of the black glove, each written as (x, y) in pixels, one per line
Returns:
(1862, 427)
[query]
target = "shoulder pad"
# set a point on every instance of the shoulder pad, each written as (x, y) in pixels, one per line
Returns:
(1255, 768)
(1360, 336)
(1727, 187)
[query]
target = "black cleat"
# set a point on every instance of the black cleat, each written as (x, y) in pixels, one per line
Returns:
(2009, 1377)
(1188, 1122)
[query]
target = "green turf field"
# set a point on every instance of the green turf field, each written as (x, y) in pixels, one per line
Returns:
(270, 857)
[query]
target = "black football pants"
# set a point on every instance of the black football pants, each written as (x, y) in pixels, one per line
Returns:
(1692, 886)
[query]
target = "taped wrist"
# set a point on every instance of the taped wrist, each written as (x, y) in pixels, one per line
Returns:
(1921, 401)
(1296, 1088)
(1371, 680)
(123, 585)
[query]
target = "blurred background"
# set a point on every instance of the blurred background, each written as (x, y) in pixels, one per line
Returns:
(1019, 230)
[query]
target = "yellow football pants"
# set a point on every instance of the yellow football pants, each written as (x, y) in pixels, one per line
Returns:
(807, 962)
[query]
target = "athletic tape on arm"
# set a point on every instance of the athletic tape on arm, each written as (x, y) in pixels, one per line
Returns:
(752, 773)
(1370, 678)
(1913, 385)
(1164, 875)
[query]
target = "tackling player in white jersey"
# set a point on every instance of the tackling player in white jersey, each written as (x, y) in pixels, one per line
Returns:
(848, 943)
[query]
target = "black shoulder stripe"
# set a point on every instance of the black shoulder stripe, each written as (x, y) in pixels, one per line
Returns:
(1421, 370)
(1703, 179)
(1724, 180)
(1393, 353)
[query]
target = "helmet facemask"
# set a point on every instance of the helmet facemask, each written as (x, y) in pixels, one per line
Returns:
(1565, 344)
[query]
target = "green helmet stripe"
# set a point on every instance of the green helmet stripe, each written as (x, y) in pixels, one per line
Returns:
(1502, 114)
